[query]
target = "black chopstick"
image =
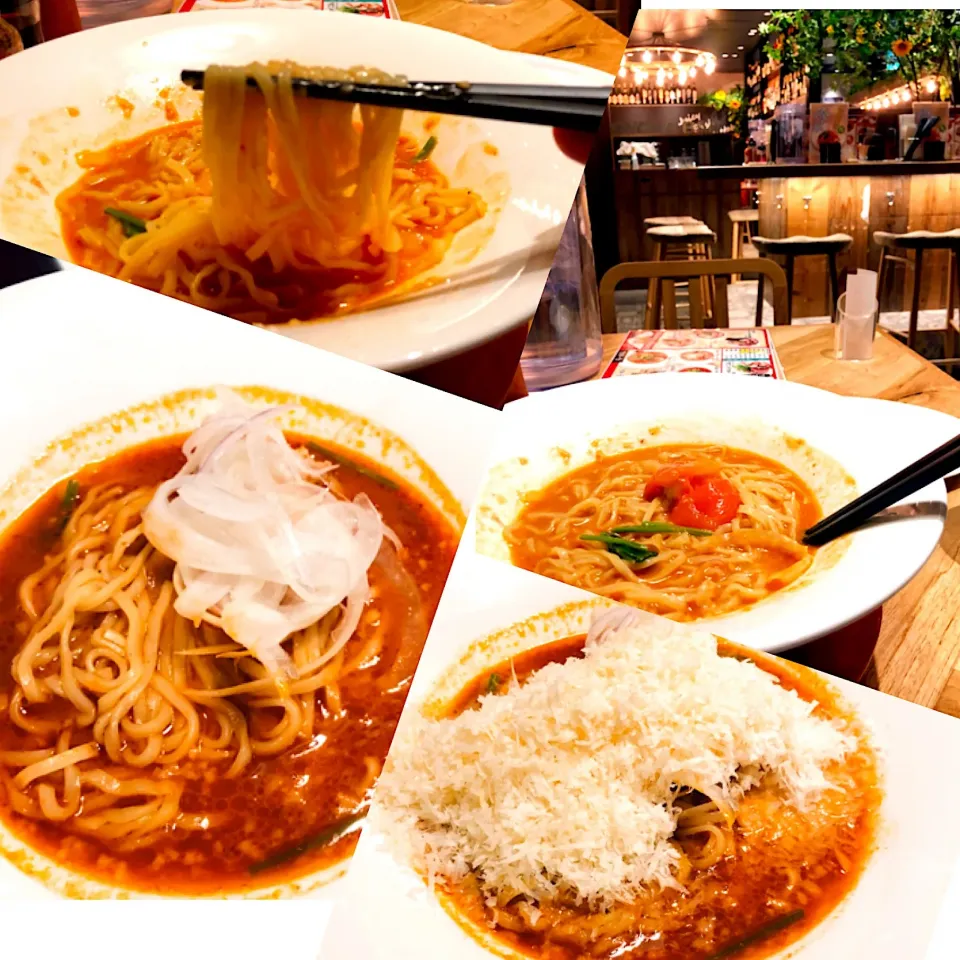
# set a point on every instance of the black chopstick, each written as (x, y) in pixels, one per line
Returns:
(927, 469)
(572, 108)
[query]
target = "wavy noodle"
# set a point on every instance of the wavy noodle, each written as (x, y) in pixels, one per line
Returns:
(741, 563)
(276, 207)
(113, 691)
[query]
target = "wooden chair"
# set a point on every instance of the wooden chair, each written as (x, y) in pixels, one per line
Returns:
(667, 273)
(799, 246)
(895, 248)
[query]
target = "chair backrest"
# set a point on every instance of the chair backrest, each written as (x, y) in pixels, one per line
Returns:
(665, 273)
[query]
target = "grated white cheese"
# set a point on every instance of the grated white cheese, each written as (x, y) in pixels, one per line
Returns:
(561, 788)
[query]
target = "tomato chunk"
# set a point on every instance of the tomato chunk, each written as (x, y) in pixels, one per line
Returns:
(695, 493)
(673, 473)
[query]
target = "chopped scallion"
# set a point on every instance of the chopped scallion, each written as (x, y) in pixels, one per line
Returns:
(628, 550)
(334, 457)
(324, 838)
(68, 503)
(425, 150)
(656, 527)
(761, 933)
(131, 225)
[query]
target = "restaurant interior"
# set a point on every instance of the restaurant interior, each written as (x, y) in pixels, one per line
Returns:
(825, 143)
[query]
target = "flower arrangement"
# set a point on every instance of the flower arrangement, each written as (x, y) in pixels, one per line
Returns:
(733, 102)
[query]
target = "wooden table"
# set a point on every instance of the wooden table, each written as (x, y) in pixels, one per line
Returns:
(550, 28)
(917, 656)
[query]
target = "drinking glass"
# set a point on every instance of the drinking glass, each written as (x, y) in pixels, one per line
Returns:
(564, 343)
(855, 333)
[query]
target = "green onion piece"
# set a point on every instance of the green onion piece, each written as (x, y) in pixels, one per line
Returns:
(68, 503)
(654, 527)
(761, 933)
(131, 225)
(324, 838)
(627, 550)
(352, 465)
(425, 150)
(493, 682)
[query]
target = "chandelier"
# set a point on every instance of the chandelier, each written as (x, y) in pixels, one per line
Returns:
(663, 64)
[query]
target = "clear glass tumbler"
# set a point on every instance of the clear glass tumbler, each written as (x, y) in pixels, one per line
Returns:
(855, 333)
(564, 344)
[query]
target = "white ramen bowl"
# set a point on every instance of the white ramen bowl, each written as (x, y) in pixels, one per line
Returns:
(86, 354)
(529, 184)
(490, 611)
(547, 435)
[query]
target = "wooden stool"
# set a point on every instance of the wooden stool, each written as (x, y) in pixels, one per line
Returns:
(744, 224)
(918, 241)
(695, 240)
(670, 221)
(792, 247)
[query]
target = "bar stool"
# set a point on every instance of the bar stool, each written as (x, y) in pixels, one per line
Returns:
(799, 246)
(689, 240)
(744, 224)
(669, 221)
(919, 241)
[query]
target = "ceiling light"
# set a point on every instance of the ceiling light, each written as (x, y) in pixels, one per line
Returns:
(661, 77)
(885, 102)
(710, 67)
(641, 76)
(752, 33)
(647, 56)
(724, 55)
(931, 85)
(740, 47)
(895, 97)
(676, 57)
(693, 72)
(622, 71)
(681, 75)
(906, 96)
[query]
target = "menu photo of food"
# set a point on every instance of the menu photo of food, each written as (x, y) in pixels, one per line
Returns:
(747, 352)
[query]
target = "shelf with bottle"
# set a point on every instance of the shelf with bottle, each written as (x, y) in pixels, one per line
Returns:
(653, 96)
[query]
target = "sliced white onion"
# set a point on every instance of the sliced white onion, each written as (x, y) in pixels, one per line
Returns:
(263, 547)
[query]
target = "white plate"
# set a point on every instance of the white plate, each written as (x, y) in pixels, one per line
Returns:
(79, 347)
(495, 292)
(870, 440)
(889, 915)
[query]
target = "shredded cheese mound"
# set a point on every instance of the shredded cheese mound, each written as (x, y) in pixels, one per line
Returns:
(562, 788)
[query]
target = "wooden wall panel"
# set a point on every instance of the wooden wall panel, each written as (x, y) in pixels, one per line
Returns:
(860, 206)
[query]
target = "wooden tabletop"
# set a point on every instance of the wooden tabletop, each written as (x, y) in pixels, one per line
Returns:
(917, 656)
(550, 28)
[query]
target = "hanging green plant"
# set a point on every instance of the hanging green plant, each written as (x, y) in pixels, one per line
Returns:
(866, 44)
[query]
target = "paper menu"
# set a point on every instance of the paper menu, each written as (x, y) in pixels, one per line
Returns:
(749, 352)
(369, 8)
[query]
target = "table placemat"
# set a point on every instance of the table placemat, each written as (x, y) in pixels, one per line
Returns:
(748, 352)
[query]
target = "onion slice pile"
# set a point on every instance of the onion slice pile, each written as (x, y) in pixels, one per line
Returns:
(263, 546)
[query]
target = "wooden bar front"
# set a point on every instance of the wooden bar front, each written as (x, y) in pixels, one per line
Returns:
(859, 205)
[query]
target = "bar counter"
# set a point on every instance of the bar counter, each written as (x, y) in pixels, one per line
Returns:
(814, 200)
(857, 168)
